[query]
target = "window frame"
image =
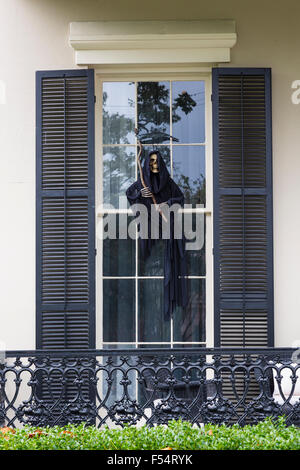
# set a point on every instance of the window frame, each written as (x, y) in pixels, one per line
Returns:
(155, 75)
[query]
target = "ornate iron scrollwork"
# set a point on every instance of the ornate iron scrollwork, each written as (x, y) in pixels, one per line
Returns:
(150, 386)
(125, 411)
(218, 411)
(79, 411)
(34, 413)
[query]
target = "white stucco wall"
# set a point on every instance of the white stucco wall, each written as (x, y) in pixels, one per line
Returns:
(34, 36)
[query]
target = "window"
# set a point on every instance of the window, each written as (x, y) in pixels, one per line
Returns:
(128, 313)
(129, 289)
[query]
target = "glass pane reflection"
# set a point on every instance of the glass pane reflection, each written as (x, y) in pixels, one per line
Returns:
(188, 109)
(154, 264)
(118, 173)
(153, 107)
(152, 326)
(189, 172)
(118, 112)
(189, 323)
(119, 310)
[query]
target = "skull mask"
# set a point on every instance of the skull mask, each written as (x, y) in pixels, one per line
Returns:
(153, 163)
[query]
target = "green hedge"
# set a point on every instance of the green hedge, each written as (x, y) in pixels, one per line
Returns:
(177, 435)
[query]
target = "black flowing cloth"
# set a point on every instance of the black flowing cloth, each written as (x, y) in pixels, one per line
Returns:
(164, 190)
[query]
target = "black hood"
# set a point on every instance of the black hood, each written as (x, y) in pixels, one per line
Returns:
(155, 181)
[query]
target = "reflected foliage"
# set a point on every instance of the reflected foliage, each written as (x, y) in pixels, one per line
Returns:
(185, 103)
(192, 188)
(153, 101)
(118, 172)
(154, 110)
(118, 128)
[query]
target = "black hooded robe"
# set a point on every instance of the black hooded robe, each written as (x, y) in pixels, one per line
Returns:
(164, 190)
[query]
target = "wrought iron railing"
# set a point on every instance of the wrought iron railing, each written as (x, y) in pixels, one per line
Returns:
(149, 386)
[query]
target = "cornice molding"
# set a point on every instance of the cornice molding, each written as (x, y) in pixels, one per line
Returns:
(142, 42)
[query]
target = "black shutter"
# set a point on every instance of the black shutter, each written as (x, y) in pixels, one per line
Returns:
(243, 239)
(65, 268)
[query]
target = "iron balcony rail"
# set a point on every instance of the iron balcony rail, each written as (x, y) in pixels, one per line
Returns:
(149, 386)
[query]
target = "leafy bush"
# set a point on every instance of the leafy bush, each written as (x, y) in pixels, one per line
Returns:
(177, 435)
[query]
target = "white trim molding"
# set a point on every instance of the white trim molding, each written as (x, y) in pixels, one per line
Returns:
(149, 42)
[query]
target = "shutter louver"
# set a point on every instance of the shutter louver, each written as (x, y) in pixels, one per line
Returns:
(65, 210)
(243, 245)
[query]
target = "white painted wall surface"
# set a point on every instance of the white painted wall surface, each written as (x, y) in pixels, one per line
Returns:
(34, 36)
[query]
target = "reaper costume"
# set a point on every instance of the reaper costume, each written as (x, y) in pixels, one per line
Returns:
(164, 190)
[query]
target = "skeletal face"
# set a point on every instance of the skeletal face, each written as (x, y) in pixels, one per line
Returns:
(153, 163)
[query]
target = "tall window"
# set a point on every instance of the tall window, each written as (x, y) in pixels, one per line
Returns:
(132, 288)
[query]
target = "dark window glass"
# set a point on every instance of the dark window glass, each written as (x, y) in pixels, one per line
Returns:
(152, 326)
(154, 264)
(118, 310)
(189, 323)
(195, 257)
(119, 254)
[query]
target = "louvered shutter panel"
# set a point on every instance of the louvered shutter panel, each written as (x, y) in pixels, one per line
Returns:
(243, 240)
(65, 275)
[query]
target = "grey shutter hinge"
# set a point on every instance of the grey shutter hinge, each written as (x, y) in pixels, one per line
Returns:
(95, 99)
(213, 251)
(212, 97)
(95, 251)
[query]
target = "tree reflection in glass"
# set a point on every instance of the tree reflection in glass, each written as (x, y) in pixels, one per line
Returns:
(118, 111)
(189, 172)
(118, 172)
(153, 108)
(188, 111)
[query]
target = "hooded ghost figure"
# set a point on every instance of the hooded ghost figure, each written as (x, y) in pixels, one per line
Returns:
(165, 190)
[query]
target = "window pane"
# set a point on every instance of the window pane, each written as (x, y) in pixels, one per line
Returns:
(196, 256)
(189, 172)
(118, 173)
(188, 111)
(189, 323)
(152, 326)
(118, 310)
(119, 254)
(118, 112)
(153, 107)
(154, 264)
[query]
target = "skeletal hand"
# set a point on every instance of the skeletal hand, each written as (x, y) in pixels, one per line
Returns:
(146, 192)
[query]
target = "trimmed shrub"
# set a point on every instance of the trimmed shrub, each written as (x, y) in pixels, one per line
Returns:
(178, 435)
